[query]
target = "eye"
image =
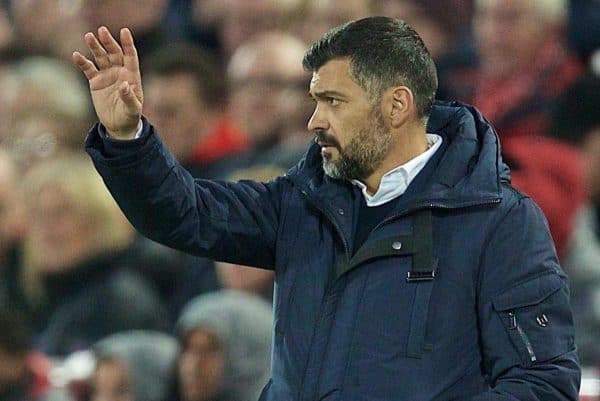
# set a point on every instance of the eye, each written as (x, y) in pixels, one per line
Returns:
(333, 101)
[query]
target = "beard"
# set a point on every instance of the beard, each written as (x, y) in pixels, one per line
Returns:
(363, 154)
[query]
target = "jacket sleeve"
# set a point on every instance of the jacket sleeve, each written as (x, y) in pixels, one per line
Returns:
(525, 321)
(234, 222)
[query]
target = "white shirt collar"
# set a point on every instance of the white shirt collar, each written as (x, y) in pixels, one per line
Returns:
(394, 182)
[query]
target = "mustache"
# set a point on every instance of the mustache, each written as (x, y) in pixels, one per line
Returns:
(325, 138)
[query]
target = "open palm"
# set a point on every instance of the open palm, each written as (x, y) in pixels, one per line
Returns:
(115, 81)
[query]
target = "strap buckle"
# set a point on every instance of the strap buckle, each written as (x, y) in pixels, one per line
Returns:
(416, 276)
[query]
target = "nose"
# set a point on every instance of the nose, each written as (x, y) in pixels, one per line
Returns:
(317, 121)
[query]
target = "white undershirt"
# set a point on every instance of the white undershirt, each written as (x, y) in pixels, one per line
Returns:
(394, 182)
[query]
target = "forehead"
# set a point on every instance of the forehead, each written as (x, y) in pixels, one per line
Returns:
(335, 76)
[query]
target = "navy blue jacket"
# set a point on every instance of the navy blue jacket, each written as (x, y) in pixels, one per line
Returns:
(493, 324)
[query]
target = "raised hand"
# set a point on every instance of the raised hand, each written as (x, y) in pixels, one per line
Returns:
(115, 81)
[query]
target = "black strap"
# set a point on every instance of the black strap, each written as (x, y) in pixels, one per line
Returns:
(419, 245)
(424, 264)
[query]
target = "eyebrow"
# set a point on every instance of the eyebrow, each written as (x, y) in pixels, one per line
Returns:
(326, 94)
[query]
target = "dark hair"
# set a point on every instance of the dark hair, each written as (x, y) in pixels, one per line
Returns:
(383, 52)
(187, 58)
(575, 113)
(15, 333)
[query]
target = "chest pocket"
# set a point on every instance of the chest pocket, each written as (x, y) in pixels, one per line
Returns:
(419, 246)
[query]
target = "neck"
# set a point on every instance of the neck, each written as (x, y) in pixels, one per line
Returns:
(406, 146)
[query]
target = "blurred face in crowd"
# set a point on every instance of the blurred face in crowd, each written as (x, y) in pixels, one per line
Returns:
(201, 365)
(436, 40)
(13, 367)
(139, 15)
(268, 86)
(322, 15)
(350, 130)
(48, 24)
(174, 104)
(243, 278)
(508, 33)
(239, 20)
(59, 231)
(111, 382)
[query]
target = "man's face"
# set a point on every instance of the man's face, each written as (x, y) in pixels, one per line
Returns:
(111, 382)
(177, 110)
(60, 233)
(508, 33)
(201, 366)
(349, 128)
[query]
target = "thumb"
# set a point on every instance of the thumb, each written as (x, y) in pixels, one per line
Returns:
(128, 96)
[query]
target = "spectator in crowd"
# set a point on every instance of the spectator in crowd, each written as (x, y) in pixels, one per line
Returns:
(46, 109)
(225, 339)
(24, 372)
(315, 16)
(444, 27)
(523, 64)
(236, 21)
(268, 92)
(177, 276)
(553, 175)
(134, 366)
(576, 121)
(76, 286)
(244, 278)
(523, 67)
(45, 27)
(145, 16)
(187, 97)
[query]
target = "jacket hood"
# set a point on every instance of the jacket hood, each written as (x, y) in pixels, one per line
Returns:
(243, 324)
(470, 170)
(150, 358)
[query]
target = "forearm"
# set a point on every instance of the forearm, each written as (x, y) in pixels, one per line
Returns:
(164, 202)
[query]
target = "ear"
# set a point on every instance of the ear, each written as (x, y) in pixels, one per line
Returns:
(399, 105)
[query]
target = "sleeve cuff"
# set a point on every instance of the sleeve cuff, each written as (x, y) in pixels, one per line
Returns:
(114, 147)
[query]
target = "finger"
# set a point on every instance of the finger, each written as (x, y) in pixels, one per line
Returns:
(115, 53)
(131, 61)
(129, 98)
(88, 68)
(100, 55)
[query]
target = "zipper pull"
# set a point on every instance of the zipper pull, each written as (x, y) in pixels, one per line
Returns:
(513, 320)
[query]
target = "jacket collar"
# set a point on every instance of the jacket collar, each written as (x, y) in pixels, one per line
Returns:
(469, 173)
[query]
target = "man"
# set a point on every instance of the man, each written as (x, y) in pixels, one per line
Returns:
(187, 98)
(268, 90)
(406, 266)
(575, 120)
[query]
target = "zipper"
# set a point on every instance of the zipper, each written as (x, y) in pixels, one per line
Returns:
(514, 325)
(302, 390)
(331, 218)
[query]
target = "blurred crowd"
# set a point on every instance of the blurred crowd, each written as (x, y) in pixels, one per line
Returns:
(90, 310)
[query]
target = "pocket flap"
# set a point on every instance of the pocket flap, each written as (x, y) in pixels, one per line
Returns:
(530, 292)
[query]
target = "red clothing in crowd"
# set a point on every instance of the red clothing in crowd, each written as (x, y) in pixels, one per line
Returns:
(225, 140)
(520, 104)
(551, 173)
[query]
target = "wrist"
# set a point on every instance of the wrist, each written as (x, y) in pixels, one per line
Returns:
(125, 135)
